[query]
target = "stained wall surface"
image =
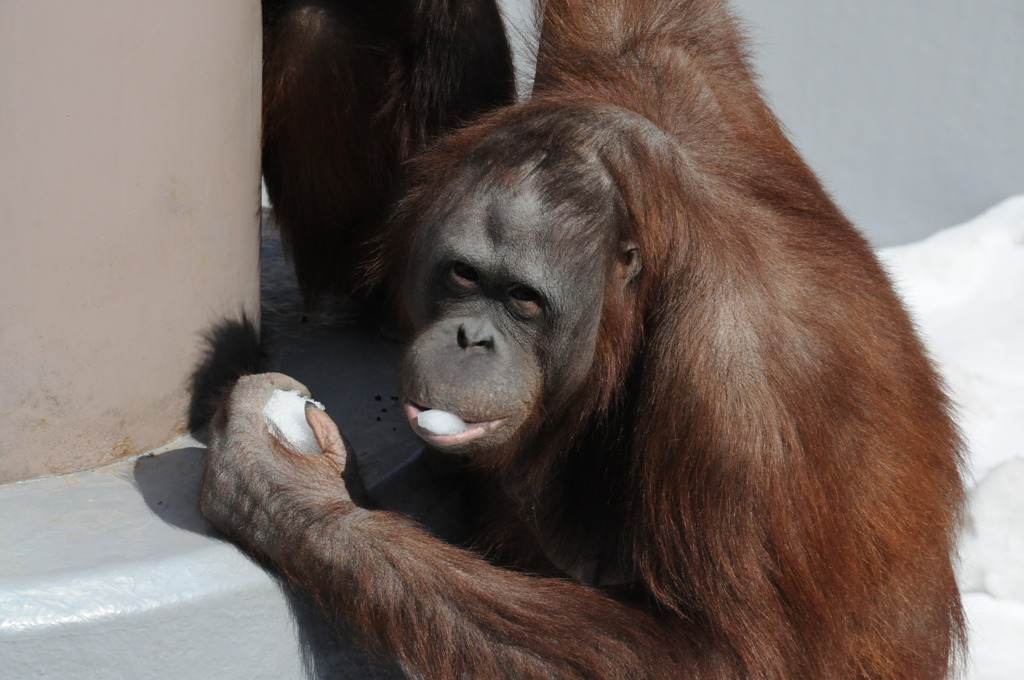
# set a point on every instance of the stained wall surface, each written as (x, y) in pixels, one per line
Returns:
(129, 193)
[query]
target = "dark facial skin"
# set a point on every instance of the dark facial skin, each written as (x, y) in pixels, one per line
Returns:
(508, 292)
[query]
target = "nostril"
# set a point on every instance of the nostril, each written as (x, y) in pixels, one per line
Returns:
(475, 335)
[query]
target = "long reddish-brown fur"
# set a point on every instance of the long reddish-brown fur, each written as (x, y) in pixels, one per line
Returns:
(762, 445)
(351, 89)
(793, 468)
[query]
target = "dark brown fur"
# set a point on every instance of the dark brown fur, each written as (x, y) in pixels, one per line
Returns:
(762, 448)
(350, 91)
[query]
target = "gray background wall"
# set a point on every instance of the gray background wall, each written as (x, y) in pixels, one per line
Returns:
(911, 111)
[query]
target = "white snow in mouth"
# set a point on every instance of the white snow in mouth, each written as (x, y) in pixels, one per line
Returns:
(285, 413)
(441, 422)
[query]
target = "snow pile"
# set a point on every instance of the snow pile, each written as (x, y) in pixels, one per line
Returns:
(965, 288)
(285, 413)
(993, 546)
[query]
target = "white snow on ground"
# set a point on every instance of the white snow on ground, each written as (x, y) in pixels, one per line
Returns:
(965, 288)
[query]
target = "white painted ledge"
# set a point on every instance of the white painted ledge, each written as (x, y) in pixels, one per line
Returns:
(113, 573)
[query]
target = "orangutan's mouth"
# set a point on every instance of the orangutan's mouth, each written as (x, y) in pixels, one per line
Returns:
(444, 428)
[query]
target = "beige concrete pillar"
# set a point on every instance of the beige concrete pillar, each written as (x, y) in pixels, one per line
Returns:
(129, 193)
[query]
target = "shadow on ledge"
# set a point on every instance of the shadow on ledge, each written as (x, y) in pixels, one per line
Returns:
(169, 485)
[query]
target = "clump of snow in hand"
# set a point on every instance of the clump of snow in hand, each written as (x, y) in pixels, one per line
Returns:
(440, 422)
(965, 289)
(285, 413)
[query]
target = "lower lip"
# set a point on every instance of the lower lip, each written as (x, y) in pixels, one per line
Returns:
(472, 431)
